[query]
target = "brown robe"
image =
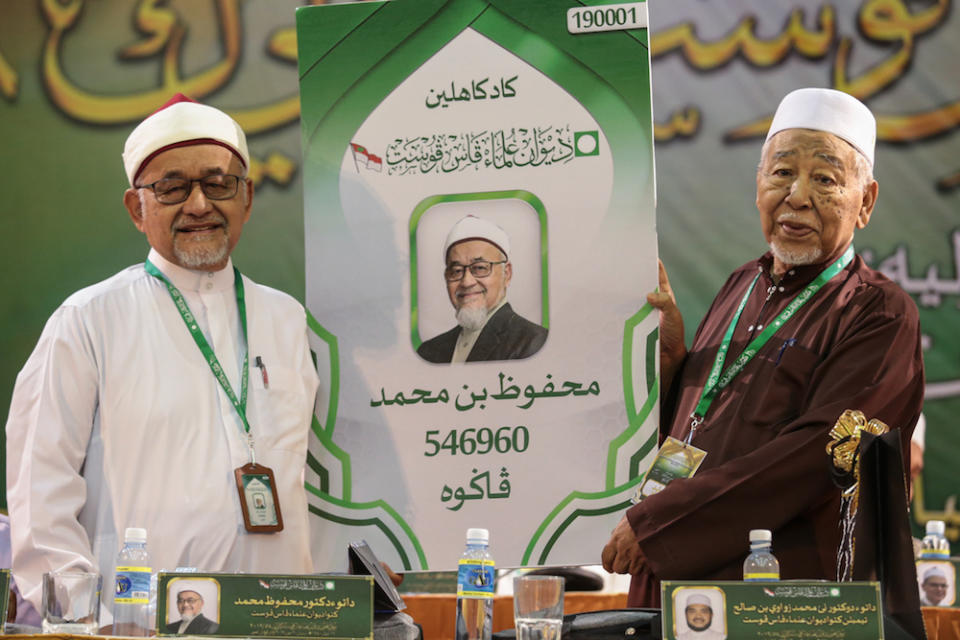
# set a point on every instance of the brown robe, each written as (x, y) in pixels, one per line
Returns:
(854, 345)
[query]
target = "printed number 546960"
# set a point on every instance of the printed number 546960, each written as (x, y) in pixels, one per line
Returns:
(477, 441)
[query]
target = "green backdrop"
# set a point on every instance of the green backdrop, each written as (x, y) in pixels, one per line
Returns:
(76, 76)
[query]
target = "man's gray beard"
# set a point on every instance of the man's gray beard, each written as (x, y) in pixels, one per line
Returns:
(794, 258)
(197, 258)
(471, 318)
(200, 257)
(812, 255)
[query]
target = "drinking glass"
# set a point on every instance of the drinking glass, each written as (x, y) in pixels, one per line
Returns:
(538, 607)
(71, 602)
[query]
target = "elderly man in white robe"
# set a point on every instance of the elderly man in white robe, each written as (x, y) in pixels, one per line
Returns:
(153, 398)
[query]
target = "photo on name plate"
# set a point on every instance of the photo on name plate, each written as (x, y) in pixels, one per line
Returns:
(193, 606)
(699, 614)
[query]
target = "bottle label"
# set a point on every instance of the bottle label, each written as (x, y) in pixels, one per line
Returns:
(475, 578)
(934, 554)
(758, 577)
(132, 585)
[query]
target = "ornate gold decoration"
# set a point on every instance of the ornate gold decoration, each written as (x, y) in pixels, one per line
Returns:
(844, 450)
(845, 438)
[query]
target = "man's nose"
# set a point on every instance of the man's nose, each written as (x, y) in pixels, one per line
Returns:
(468, 279)
(799, 196)
(197, 201)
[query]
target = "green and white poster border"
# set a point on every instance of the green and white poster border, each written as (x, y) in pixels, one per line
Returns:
(416, 113)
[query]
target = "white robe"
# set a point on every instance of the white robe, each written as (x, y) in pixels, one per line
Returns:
(706, 634)
(117, 421)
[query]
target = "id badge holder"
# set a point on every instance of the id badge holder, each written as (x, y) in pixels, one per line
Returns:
(258, 498)
(674, 460)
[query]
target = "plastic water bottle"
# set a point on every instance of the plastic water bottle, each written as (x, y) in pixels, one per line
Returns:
(935, 545)
(475, 576)
(761, 565)
(132, 595)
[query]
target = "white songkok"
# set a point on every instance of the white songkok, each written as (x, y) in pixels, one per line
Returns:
(181, 122)
(828, 110)
(698, 598)
(934, 572)
(474, 228)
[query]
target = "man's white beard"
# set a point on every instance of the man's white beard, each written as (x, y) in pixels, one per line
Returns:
(796, 258)
(200, 257)
(471, 318)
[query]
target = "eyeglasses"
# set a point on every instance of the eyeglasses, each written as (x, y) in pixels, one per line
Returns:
(478, 269)
(218, 186)
(188, 600)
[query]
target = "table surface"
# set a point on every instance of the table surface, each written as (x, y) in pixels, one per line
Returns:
(437, 615)
(941, 623)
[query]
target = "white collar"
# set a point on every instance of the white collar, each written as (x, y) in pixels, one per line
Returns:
(192, 280)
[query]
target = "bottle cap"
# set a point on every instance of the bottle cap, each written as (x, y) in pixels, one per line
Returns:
(135, 534)
(935, 527)
(760, 535)
(478, 535)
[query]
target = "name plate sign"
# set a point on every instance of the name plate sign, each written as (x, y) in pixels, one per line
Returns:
(265, 606)
(937, 580)
(772, 610)
(5, 589)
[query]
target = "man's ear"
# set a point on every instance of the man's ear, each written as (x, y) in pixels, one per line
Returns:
(131, 200)
(248, 194)
(867, 204)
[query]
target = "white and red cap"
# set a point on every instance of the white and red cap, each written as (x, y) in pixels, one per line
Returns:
(828, 110)
(474, 228)
(698, 598)
(934, 572)
(179, 123)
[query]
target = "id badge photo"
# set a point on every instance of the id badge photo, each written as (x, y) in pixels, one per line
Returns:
(674, 460)
(258, 499)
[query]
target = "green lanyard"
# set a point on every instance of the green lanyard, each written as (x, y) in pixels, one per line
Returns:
(240, 404)
(717, 381)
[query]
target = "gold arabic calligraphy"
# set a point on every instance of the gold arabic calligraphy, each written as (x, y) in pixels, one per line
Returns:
(881, 21)
(164, 31)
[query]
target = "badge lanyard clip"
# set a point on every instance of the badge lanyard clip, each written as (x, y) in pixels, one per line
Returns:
(695, 421)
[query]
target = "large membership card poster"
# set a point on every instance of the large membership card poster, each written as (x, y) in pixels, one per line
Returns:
(520, 133)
